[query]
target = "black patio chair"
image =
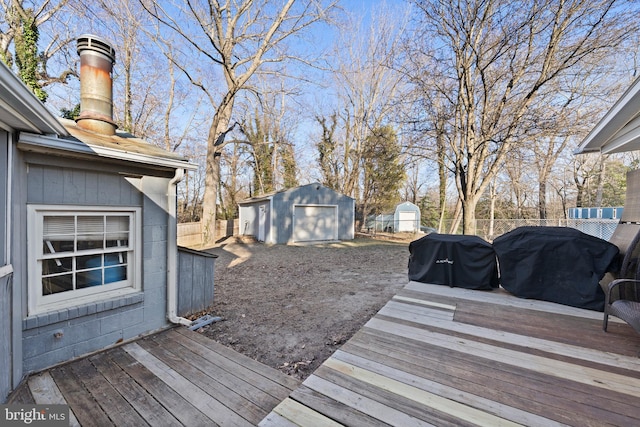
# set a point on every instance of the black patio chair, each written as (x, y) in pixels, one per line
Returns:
(622, 287)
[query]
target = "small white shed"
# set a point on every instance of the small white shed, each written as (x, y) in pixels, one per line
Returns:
(406, 218)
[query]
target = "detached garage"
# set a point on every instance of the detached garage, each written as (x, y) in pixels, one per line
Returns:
(310, 213)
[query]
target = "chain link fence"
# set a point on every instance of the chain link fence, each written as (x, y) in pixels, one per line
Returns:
(489, 230)
(388, 224)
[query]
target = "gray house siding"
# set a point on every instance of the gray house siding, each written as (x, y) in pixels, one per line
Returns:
(5, 277)
(90, 327)
(5, 336)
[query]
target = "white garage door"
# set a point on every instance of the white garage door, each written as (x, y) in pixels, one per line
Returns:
(313, 223)
(407, 221)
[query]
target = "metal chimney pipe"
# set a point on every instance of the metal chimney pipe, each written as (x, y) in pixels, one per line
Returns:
(97, 57)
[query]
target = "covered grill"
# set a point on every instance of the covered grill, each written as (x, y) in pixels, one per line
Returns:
(556, 264)
(453, 260)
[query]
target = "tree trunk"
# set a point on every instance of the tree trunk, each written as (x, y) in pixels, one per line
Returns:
(493, 193)
(456, 217)
(212, 175)
(601, 174)
(542, 199)
(442, 172)
(211, 179)
(469, 215)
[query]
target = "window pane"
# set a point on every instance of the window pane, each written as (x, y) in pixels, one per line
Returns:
(118, 224)
(89, 244)
(65, 244)
(58, 234)
(115, 274)
(53, 285)
(115, 259)
(90, 232)
(90, 224)
(54, 226)
(89, 261)
(89, 278)
(113, 242)
(56, 265)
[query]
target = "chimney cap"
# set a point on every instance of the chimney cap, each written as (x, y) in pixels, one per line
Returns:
(96, 44)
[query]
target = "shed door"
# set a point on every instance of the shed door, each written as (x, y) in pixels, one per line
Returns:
(315, 223)
(262, 222)
(407, 221)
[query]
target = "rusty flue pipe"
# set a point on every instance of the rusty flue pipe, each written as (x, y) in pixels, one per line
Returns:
(97, 57)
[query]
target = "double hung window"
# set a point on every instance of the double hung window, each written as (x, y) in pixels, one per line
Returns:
(80, 255)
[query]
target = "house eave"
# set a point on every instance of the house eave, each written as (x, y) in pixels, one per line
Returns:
(21, 110)
(74, 148)
(619, 130)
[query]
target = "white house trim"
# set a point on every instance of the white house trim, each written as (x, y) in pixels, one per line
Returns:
(5, 270)
(619, 129)
(37, 303)
(25, 110)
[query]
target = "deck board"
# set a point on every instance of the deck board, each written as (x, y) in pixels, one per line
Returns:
(80, 401)
(451, 356)
(177, 377)
(198, 376)
(244, 371)
(143, 403)
(183, 410)
(45, 392)
(225, 382)
(341, 412)
(107, 396)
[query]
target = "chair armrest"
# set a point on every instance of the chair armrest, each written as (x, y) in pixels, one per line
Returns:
(616, 283)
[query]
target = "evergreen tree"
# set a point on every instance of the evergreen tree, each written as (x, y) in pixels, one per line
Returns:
(383, 171)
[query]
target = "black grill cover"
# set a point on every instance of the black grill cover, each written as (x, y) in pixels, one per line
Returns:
(453, 260)
(556, 264)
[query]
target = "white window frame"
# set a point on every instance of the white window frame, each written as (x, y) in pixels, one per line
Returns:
(39, 303)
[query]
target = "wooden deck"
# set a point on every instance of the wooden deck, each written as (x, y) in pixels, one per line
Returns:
(454, 357)
(177, 377)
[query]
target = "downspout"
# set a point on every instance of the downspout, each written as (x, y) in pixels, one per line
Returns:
(172, 253)
(9, 202)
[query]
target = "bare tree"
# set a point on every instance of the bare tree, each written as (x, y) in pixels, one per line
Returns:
(492, 60)
(138, 105)
(237, 39)
(367, 87)
(21, 24)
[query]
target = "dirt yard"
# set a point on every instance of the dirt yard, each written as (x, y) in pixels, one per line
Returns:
(291, 307)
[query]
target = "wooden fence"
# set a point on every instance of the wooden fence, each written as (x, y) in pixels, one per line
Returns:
(190, 233)
(195, 280)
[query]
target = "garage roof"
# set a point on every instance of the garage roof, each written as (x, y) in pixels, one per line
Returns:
(619, 129)
(269, 196)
